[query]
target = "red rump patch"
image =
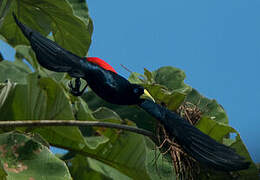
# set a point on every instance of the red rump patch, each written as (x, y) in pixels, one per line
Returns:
(101, 63)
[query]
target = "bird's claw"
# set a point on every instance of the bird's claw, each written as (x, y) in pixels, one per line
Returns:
(75, 90)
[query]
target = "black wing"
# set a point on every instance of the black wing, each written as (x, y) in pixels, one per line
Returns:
(50, 55)
(197, 144)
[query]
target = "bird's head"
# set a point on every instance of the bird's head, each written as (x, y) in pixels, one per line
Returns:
(141, 92)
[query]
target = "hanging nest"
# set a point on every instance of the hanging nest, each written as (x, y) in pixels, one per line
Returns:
(184, 165)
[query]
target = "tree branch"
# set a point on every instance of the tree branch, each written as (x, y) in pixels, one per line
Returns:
(29, 123)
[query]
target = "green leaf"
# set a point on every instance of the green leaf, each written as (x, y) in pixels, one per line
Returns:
(94, 141)
(40, 99)
(209, 107)
(64, 137)
(15, 71)
(162, 95)
(149, 76)
(218, 131)
(47, 16)
(106, 170)
(252, 172)
(158, 167)
(58, 106)
(83, 111)
(26, 97)
(214, 129)
(106, 114)
(80, 9)
(80, 169)
(125, 152)
(26, 52)
(24, 158)
(136, 78)
(172, 78)
(4, 9)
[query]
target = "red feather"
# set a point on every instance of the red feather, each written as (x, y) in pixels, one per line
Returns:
(101, 63)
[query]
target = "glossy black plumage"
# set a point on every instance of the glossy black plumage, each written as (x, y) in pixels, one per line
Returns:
(106, 84)
(117, 90)
(197, 144)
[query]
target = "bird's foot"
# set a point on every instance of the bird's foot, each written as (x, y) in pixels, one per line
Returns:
(75, 90)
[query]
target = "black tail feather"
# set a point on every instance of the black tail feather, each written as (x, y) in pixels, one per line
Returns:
(50, 55)
(197, 144)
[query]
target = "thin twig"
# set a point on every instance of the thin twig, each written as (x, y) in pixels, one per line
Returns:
(41, 123)
(126, 68)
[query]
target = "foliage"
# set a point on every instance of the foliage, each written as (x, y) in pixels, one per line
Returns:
(24, 157)
(29, 92)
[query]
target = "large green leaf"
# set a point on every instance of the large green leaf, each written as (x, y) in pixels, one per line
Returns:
(158, 166)
(218, 131)
(106, 170)
(214, 129)
(252, 172)
(26, 52)
(172, 78)
(125, 152)
(80, 170)
(24, 158)
(4, 9)
(209, 107)
(15, 71)
(172, 99)
(136, 78)
(80, 9)
(48, 16)
(39, 99)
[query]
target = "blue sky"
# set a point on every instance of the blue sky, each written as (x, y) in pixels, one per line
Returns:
(217, 44)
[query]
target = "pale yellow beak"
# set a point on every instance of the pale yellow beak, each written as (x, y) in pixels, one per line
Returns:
(147, 95)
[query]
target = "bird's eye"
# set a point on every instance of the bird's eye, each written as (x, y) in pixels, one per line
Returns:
(136, 90)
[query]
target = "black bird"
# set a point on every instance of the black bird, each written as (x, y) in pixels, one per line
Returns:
(115, 89)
